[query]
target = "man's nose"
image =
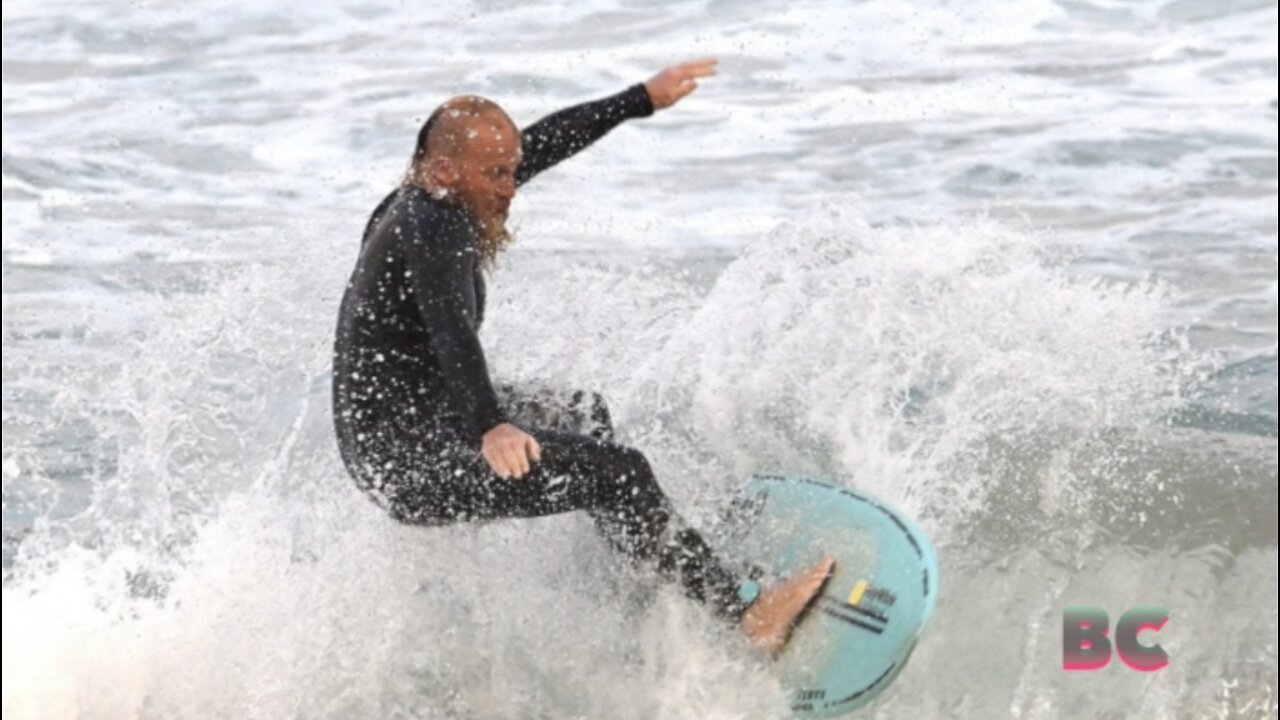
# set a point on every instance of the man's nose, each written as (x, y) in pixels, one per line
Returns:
(507, 189)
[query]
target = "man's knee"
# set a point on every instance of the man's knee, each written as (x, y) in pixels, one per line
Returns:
(599, 424)
(628, 470)
(624, 459)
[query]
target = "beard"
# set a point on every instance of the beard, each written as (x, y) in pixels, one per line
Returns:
(494, 235)
(494, 238)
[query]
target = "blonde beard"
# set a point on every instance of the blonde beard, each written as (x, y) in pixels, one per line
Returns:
(493, 240)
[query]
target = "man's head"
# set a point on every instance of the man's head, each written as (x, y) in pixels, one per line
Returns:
(468, 152)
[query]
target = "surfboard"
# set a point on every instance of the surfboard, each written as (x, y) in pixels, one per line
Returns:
(858, 633)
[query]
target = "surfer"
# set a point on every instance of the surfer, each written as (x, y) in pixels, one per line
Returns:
(421, 427)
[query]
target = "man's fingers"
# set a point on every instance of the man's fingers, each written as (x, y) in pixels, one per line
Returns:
(496, 464)
(703, 63)
(517, 459)
(681, 77)
(511, 461)
(522, 463)
(535, 450)
(691, 70)
(506, 467)
(696, 71)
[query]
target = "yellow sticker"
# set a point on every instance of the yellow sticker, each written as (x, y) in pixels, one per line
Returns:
(856, 596)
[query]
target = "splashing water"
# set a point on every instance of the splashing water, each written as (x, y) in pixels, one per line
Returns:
(221, 565)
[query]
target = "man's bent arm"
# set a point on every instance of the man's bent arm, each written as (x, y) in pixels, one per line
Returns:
(439, 271)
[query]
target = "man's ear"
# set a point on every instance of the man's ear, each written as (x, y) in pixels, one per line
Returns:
(441, 172)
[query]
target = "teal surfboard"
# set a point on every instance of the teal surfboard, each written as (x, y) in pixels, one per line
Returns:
(857, 635)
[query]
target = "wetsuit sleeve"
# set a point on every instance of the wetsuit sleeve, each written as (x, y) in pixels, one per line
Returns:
(559, 136)
(440, 269)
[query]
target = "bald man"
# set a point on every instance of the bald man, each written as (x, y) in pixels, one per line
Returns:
(421, 427)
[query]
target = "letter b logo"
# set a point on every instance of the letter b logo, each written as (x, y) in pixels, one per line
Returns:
(1085, 645)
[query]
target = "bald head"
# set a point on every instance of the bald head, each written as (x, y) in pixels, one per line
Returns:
(459, 123)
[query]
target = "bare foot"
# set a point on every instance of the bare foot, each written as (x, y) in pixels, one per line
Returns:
(770, 619)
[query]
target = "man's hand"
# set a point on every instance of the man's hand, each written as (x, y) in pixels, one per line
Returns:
(509, 450)
(671, 85)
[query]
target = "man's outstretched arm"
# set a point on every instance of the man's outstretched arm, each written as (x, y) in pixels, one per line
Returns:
(561, 135)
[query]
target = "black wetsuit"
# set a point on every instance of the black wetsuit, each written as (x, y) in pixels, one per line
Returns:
(412, 395)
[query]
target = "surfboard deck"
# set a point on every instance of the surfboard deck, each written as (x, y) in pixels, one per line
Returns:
(857, 635)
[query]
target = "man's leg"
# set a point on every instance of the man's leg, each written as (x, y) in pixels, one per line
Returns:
(678, 549)
(612, 483)
(437, 476)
